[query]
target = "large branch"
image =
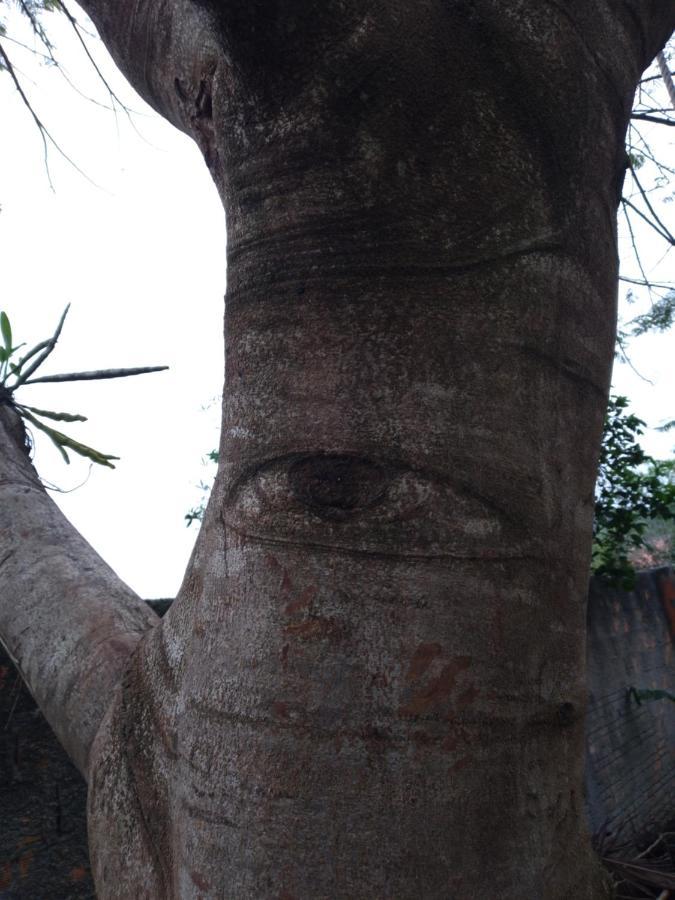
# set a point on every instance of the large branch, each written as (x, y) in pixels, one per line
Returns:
(66, 619)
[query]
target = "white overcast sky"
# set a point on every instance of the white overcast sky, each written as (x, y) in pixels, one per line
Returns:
(140, 255)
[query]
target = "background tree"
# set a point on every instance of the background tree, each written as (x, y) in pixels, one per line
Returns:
(372, 678)
(635, 500)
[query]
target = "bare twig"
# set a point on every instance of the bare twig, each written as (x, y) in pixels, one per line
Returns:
(666, 231)
(633, 242)
(647, 117)
(45, 134)
(656, 285)
(665, 235)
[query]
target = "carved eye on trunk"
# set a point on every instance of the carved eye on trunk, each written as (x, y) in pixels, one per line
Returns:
(341, 500)
(337, 486)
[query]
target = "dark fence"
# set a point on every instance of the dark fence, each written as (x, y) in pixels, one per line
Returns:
(630, 746)
(630, 763)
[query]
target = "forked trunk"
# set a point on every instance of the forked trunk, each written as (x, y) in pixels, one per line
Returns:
(372, 681)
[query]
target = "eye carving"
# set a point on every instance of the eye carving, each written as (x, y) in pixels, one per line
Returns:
(361, 504)
(337, 486)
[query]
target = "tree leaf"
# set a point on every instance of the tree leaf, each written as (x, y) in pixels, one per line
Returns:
(6, 330)
(57, 416)
(62, 441)
(50, 432)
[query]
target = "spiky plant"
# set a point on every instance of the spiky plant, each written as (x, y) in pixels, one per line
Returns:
(16, 371)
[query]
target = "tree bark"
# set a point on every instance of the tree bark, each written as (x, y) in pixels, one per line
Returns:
(372, 681)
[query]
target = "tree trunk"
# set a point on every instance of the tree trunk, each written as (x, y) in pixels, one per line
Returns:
(372, 681)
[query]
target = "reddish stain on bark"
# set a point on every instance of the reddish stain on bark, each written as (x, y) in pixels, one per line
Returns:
(465, 698)
(78, 873)
(459, 765)
(24, 862)
(303, 601)
(286, 583)
(422, 659)
(450, 742)
(4, 672)
(5, 875)
(438, 691)
(28, 840)
(280, 709)
(199, 881)
(314, 629)
(273, 563)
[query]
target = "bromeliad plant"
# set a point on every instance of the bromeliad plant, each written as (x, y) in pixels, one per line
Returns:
(16, 371)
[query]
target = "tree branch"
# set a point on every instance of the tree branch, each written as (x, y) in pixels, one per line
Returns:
(646, 117)
(66, 619)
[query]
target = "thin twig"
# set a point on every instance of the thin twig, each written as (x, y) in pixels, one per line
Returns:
(113, 96)
(41, 128)
(36, 25)
(626, 359)
(632, 240)
(666, 236)
(45, 134)
(669, 236)
(656, 285)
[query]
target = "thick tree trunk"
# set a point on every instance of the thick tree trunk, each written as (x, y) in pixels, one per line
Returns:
(372, 682)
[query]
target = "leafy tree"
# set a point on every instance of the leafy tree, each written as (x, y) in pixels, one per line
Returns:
(371, 681)
(633, 492)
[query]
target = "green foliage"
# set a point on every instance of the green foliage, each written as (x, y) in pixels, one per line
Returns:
(196, 514)
(659, 318)
(16, 371)
(632, 491)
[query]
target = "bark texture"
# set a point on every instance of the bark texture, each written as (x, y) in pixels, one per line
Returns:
(372, 682)
(66, 620)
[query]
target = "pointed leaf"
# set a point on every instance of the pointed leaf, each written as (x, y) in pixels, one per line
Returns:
(102, 459)
(48, 347)
(57, 416)
(6, 330)
(62, 441)
(52, 434)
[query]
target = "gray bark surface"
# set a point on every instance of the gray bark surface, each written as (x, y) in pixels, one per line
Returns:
(372, 681)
